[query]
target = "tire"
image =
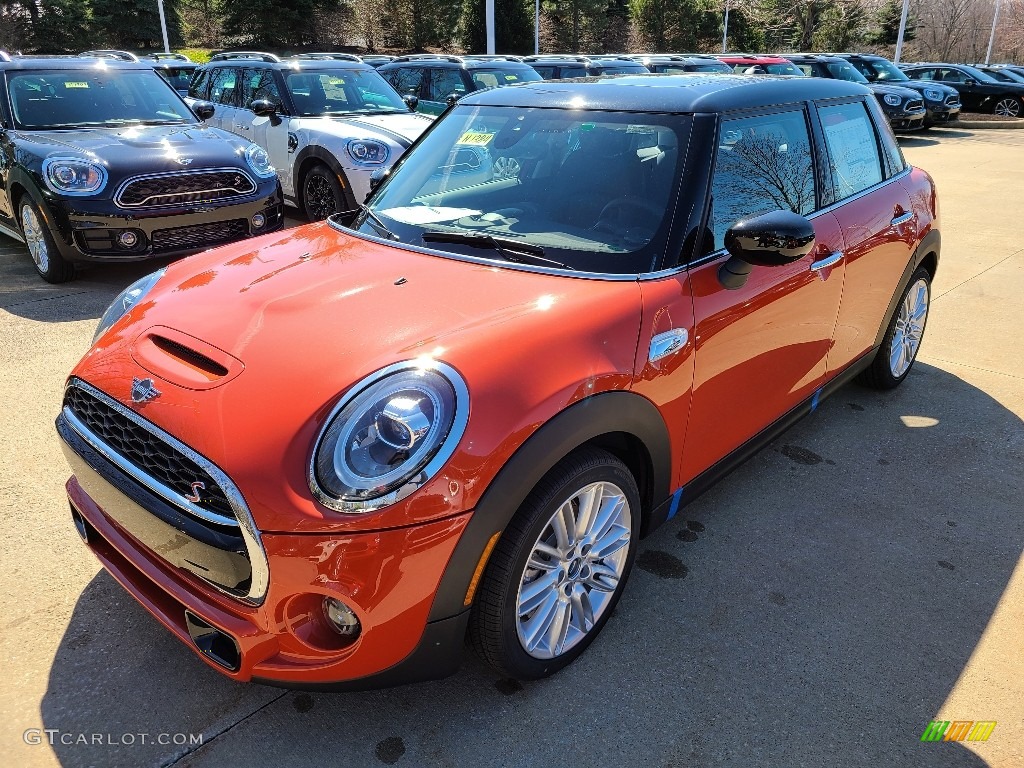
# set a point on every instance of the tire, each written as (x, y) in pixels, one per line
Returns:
(323, 194)
(575, 581)
(47, 260)
(899, 348)
(1008, 106)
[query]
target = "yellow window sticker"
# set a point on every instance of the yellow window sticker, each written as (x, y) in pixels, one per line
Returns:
(336, 81)
(74, 84)
(475, 139)
(511, 77)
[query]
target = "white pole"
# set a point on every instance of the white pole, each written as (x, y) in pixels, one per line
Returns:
(163, 25)
(489, 20)
(725, 30)
(536, 26)
(992, 37)
(903, 30)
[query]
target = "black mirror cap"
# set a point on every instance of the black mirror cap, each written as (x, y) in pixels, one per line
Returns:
(204, 110)
(452, 100)
(263, 108)
(411, 101)
(772, 239)
(377, 177)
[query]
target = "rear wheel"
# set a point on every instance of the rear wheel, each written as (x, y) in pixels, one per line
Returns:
(559, 567)
(903, 337)
(323, 193)
(47, 260)
(1008, 106)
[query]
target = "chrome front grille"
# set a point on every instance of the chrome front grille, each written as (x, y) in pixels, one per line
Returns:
(953, 101)
(184, 188)
(914, 106)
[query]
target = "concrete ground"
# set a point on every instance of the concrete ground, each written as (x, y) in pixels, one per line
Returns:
(858, 578)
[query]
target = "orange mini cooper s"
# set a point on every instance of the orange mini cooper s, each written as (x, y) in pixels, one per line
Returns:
(329, 455)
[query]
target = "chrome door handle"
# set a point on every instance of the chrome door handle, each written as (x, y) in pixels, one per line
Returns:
(829, 261)
(903, 219)
(667, 343)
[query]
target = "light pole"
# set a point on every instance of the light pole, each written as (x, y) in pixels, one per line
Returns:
(163, 25)
(725, 29)
(536, 26)
(992, 37)
(489, 21)
(903, 30)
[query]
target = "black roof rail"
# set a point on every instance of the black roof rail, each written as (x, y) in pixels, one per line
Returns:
(492, 57)
(555, 57)
(169, 57)
(430, 57)
(110, 54)
(229, 55)
(327, 56)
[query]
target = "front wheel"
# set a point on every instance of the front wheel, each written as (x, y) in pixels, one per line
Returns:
(322, 194)
(1008, 106)
(903, 337)
(47, 260)
(559, 568)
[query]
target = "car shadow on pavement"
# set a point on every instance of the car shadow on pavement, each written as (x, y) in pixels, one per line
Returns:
(816, 608)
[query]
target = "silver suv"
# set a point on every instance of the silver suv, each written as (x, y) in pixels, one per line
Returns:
(328, 121)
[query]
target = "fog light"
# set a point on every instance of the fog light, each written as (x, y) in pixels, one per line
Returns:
(127, 239)
(258, 221)
(341, 618)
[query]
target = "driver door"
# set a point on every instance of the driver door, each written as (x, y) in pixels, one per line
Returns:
(271, 133)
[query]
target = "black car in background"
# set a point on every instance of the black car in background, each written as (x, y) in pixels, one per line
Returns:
(979, 92)
(556, 67)
(942, 103)
(903, 106)
(1002, 74)
(101, 160)
(675, 64)
(176, 68)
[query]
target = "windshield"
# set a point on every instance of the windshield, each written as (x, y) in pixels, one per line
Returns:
(624, 69)
(879, 70)
(342, 92)
(758, 68)
(178, 77)
(841, 70)
(1005, 75)
(492, 77)
(977, 74)
(90, 98)
(587, 190)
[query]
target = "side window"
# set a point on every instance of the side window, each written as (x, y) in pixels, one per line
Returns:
(573, 72)
(259, 84)
(197, 88)
(852, 144)
(406, 81)
(222, 86)
(891, 152)
(546, 72)
(764, 163)
(807, 69)
(445, 82)
(922, 74)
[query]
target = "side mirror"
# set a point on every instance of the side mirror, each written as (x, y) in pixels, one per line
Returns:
(204, 110)
(263, 108)
(970, 81)
(377, 178)
(452, 100)
(411, 101)
(772, 239)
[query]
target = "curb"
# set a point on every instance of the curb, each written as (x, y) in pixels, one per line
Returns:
(982, 124)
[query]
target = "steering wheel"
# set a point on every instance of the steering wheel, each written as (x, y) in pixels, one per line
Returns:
(616, 210)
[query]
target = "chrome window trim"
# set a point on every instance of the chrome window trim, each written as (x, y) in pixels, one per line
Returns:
(429, 471)
(145, 204)
(244, 520)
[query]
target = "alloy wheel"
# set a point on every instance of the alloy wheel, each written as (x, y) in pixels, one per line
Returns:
(35, 239)
(574, 570)
(320, 197)
(1008, 108)
(506, 168)
(906, 337)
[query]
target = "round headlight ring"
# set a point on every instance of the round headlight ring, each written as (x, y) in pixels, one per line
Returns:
(424, 410)
(73, 176)
(259, 161)
(933, 94)
(892, 99)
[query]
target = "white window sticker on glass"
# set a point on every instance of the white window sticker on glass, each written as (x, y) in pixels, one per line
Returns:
(856, 164)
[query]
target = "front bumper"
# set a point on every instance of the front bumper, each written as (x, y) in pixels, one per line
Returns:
(88, 230)
(388, 578)
(939, 114)
(905, 122)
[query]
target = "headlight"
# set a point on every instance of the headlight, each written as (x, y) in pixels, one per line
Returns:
(125, 300)
(389, 435)
(368, 151)
(892, 99)
(933, 94)
(258, 159)
(73, 176)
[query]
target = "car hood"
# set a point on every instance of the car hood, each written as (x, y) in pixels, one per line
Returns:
(401, 128)
(920, 85)
(896, 90)
(141, 148)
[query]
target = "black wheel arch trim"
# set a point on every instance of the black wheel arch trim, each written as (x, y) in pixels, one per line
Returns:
(930, 244)
(583, 422)
(321, 155)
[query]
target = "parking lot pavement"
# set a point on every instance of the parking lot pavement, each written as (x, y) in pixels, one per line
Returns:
(853, 581)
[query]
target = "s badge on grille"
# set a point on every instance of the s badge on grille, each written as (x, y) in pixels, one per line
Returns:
(194, 497)
(143, 390)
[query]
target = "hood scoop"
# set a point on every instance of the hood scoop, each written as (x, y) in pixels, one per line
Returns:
(184, 360)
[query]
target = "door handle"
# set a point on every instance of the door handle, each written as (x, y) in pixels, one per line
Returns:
(903, 219)
(243, 126)
(667, 343)
(829, 261)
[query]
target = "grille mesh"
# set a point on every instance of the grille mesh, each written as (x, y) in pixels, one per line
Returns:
(155, 191)
(199, 235)
(143, 449)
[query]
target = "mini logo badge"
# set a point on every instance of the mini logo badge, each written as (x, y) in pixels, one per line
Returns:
(194, 497)
(143, 391)
(184, 160)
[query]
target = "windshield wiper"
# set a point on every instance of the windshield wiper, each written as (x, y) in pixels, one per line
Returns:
(509, 250)
(376, 222)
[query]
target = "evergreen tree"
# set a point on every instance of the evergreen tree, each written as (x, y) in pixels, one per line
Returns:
(513, 26)
(679, 26)
(133, 23)
(576, 25)
(887, 24)
(61, 27)
(271, 23)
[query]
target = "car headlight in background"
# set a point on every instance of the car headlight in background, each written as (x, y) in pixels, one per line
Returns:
(368, 151)
(933, 94)
(125, 300)
(389, 435)
(892, 99)
(73, 176)
(258, 159)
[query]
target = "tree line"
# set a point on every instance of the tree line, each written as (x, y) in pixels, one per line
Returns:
(940, 29)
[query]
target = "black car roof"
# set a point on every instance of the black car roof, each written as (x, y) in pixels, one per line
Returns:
(824, 57)
(874, 56)
(452, 62)
(696, 92)
(72, 63)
